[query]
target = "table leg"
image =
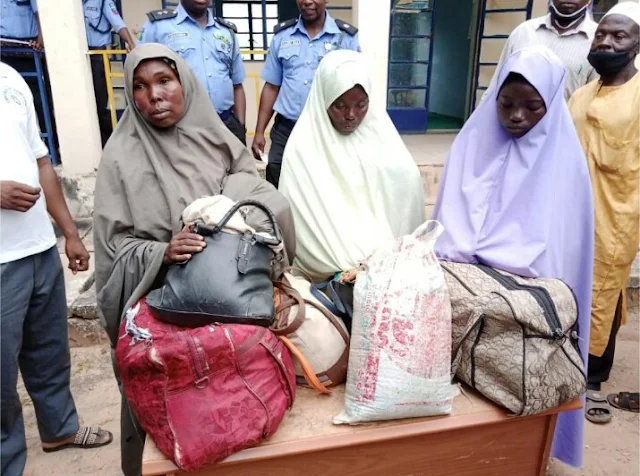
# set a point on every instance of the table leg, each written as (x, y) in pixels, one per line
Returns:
(551, 428)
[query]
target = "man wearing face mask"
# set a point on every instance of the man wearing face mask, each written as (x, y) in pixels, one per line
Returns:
(296, 50)
(607, 118)
(568, 31)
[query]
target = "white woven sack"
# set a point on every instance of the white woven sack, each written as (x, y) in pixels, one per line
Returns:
(400, 357)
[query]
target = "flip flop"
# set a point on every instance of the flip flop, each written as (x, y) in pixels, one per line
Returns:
(598, 409)
(87, 437)
(625, 401)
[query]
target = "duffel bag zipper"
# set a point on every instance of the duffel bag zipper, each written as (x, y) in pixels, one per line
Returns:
(540, 294)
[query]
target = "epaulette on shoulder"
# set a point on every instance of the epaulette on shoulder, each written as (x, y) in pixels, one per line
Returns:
(228, 24)
(284, 25)
(346, 27)
(164, 14)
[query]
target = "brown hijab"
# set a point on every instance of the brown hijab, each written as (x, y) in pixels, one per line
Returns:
(149, 175)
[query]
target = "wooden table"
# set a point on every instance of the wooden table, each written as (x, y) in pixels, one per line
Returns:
(478, 438)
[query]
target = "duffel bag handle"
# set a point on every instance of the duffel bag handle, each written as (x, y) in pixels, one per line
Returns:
(308, 373)
(331, 302)
(206, 231)
(473, 324)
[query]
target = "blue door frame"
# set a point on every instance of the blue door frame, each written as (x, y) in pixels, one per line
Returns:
(38, 73)
(481, 36)
(410, 119)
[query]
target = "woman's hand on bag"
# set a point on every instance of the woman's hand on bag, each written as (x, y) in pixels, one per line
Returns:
(183, 245)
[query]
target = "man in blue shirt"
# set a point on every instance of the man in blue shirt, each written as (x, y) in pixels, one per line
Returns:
(100, 18)
(210, 47)
(294, 55)
(19, 20)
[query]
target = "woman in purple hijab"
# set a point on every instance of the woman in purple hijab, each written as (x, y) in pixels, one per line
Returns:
(516, 195)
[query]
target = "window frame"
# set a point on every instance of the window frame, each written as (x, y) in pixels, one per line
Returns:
(257, 40)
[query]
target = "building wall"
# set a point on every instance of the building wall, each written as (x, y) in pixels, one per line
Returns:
(134, 13)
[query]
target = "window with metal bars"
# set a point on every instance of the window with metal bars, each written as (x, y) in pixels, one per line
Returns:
(601, 7)
(255, 20)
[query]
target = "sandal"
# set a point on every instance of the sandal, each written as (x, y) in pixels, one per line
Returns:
(625, 401)
(87, 437)
(598, 408)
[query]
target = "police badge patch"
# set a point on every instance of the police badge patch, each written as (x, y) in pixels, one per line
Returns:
(223, 41)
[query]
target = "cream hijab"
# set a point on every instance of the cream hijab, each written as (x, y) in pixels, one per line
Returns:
(349, 194)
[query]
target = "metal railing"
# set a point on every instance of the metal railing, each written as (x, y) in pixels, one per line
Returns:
(111, 75)
(47, 133)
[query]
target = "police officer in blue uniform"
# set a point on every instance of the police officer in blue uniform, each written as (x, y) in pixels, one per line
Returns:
(295, 52)
(209, 46)
(100, 18)
(19, 21)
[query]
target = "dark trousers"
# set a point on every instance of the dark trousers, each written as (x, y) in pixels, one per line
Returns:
(132, 439)
(34, 340)
(25, 64)
(235, 126)
(102, 98)
(600, 367)
(280, 133)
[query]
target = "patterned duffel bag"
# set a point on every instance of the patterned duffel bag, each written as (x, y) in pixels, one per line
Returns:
(515, 340)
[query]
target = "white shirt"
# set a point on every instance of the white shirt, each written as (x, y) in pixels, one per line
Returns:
(571, 46)
(31, 232)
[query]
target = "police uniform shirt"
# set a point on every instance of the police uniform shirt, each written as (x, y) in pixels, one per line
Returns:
(293, 59)
(18, 19)
(100, 16)
(212, 52)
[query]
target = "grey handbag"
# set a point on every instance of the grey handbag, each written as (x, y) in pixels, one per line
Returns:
(227, 282)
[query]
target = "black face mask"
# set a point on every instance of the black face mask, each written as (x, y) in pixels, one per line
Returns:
(567, 21)
(609, 63)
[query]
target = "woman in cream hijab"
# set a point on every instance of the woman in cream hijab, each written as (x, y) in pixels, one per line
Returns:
(351, 182)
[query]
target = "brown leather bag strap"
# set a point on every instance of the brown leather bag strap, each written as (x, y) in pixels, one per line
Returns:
(309, 375)
(289, 297)
(299, 320)
(302, 272)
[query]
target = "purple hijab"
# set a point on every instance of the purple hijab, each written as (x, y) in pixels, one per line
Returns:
(525, 205)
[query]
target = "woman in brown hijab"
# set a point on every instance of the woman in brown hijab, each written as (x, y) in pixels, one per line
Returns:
(169, 149)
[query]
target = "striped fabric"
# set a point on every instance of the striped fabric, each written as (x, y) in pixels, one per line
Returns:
(572, 47)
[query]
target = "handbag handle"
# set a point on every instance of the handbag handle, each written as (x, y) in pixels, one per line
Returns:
(206, 231)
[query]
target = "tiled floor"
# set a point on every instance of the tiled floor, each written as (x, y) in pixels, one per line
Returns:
(429, 149)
